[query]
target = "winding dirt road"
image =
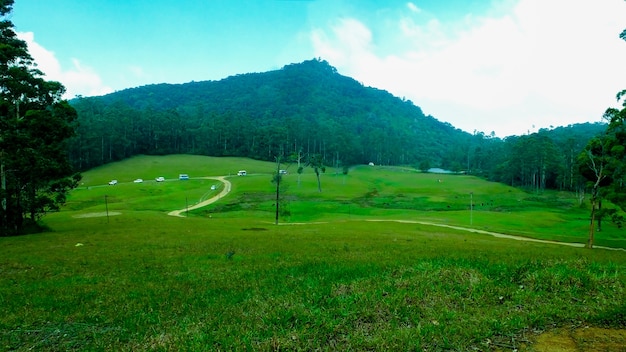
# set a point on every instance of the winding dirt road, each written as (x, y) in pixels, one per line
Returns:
(500, 235)
(214, 199)
(227, 187)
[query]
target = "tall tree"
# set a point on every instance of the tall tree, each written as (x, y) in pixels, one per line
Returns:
(605, 157)
(35, 173)
(603, 165)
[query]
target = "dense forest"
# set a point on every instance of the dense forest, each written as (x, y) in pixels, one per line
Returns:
(310, 108)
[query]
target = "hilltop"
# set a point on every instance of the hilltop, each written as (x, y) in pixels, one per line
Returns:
(307, 107)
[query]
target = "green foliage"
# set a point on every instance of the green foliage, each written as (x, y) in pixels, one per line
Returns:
(603, 165)
(35, 174)
(306, 107)
(542, 160)
(316, 162)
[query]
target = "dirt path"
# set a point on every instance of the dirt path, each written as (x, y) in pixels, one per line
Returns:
(499, 235)
(227, 186)
(214, 199)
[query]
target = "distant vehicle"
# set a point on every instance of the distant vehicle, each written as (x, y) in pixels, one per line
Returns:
(183, 177)
(138, 180)
(213, 187)
(112, 182)
(282, 172)
(242, 173)
(160, 179)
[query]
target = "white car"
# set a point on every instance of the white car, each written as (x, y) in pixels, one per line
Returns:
(138, 180)
(160, 179)
(112, 182)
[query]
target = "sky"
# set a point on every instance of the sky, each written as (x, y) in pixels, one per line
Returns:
(510, 67)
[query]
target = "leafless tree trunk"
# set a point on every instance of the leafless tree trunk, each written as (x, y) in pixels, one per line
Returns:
(598, 171)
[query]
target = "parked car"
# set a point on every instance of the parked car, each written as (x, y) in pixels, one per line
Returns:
(160, 179)
(282, 172)
(183, 177)
(242, 173)
(112, 182)
(138, 180)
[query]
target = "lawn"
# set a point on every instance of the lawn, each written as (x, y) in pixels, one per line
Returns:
(227, 278)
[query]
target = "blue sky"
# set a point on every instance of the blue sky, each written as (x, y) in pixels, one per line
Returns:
(508, 66)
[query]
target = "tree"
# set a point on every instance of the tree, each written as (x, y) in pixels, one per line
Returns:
(297, 157)
(35, 123)
(605, 161)
(594, 162)
(603, 165)
(315, 161)
(424, 165)
(276, 179)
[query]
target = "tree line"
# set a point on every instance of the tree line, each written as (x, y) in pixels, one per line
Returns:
(304, 107)
(309, 108)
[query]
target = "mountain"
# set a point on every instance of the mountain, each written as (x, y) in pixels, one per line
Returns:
(306, 107)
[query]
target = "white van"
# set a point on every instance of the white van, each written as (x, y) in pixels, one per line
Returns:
(242, 173)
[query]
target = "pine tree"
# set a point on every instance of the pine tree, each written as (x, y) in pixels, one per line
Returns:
(35, 123)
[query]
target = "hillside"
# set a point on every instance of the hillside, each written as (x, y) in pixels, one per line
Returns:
(306, 107)
(310, 108)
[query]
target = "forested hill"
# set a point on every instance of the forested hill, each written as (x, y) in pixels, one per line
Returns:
(310, 108)
(306, 107)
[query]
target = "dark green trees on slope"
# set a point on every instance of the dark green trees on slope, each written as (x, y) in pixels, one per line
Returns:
(35, 173)
(306, 107)
(309, 109)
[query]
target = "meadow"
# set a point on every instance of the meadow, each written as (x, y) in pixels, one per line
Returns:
(226, 278)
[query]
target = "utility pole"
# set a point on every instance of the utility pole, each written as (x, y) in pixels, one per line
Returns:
(471, 208)
(106, 207)
(278, 176)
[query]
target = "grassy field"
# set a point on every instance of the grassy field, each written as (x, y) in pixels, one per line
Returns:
(227, 278)
(366, 192)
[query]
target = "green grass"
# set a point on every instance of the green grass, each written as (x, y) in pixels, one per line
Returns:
(150, 167)
(143, 280)
(366, 192)
(149, 195)
(141, 284)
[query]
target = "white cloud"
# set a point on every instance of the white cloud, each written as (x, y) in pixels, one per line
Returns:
(350, 42)
(413, 8)
(538, 63)
(78, 80)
